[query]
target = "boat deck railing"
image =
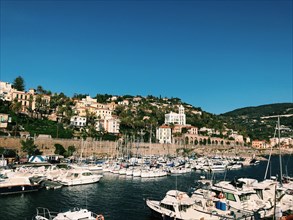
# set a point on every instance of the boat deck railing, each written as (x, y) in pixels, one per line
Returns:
(45, 213)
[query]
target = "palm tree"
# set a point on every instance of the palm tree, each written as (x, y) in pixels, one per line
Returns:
(29, 147)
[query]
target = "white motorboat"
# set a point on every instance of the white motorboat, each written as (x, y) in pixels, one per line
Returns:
(269, 189)
(207, 202)
(17, 184)
(153, 172)
(180, 170)
(136, 172)
(75, 214)
(242, 198)
(177, 205)
(79, 177)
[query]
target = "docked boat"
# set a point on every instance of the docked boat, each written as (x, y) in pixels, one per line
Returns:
(75, 214)
(269, 189)
(180, 170)
(234, 166)
(177, 205)
(79, 177)
(153, 172)
(207, 202)
(241, 198)
(17, 184)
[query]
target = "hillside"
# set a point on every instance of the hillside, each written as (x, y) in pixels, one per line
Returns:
(142, 114)
(262, 110)
(249, 120)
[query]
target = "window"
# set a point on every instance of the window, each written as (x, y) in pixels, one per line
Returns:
(230, 196)
(259, 193)
(244, 197)
(169, 207)
(183, 207)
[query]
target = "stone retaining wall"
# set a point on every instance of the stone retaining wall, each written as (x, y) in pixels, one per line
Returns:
(109, 148)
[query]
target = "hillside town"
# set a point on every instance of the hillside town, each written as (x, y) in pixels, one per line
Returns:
(87, 113)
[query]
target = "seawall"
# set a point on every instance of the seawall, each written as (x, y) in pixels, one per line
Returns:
(113, 149)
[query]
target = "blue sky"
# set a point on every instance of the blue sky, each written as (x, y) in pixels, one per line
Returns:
(217, 55)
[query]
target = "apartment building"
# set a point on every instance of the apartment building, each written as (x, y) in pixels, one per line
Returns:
(29, 99)
(109, 124)
(164, 134)
(78, 121)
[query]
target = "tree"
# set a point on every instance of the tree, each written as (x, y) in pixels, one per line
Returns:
(59, 149)
(18, 83)
(40, 90)
(7, 152)
(30, 148)
(70, 150)
(102, 98)
(42, 107)
(30, 107)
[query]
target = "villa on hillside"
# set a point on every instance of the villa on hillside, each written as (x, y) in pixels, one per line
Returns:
(103, 113)
(176, 118)
(78, 121)
(260, 144)
(176, 131)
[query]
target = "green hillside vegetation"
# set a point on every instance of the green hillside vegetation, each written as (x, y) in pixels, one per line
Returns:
(141, 117)
(262, 110)
(249, 120)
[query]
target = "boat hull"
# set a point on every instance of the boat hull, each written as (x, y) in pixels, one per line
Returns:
(18, 189)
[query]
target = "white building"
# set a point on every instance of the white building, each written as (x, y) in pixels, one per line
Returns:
(164, 134)
(237, 137)
(78, 121)
(91, 106)
(209, 131)
(283, 141)
(103, 113)
(176, 118)
(4, 119)
(5, 91)
(109, 124)
(125, 102)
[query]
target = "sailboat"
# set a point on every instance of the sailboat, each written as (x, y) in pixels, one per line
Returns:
(281, 191)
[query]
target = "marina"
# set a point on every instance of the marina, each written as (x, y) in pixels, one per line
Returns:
(123, 196)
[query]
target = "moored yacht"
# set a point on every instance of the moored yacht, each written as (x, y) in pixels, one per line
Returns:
(79, 177)
(177, 205)
(17, 184)
(242, 198)
(75, 214)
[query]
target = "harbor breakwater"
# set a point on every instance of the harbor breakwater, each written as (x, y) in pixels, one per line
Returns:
(113, 149)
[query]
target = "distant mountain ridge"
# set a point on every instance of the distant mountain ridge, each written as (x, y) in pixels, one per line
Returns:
(263, 110)
(249, 120)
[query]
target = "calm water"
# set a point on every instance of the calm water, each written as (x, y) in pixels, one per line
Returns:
(120, 197)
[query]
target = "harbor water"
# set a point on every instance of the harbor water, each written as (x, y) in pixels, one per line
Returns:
(123, 197)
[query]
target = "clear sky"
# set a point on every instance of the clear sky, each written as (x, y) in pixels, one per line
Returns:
(217, 55)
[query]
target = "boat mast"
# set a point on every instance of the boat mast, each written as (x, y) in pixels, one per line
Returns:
(279, 139)
(279, 145)
(269, 160)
